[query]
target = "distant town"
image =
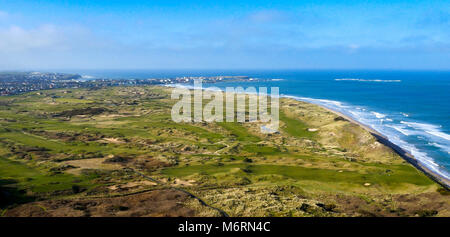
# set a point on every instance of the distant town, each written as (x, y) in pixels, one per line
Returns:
(12, 83)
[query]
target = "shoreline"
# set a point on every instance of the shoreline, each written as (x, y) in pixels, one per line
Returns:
(381, 138)
(436, 177)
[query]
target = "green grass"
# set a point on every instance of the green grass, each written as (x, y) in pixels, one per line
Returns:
(29, 178)
(261, 149)
(234, 158)
(73, 101)
(239, 132)
(34, 141)
(53, 146)
(401, 175)
(295, 127)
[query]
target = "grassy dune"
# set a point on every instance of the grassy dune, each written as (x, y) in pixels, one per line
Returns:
(319, 164)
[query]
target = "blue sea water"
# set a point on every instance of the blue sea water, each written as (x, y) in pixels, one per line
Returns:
(411, 108)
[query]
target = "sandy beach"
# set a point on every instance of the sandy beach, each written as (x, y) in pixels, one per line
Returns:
(404, 154)
(385, 141)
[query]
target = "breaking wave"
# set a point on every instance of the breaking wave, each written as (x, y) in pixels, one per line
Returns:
(399, 133)
(365, 80)
(430, 129)
(419, 139)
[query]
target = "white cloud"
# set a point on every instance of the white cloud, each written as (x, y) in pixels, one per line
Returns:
(51, 46)
(18, 39)
(48, 38)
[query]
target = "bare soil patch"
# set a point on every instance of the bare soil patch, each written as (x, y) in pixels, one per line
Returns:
(95, 163)
(157, 203)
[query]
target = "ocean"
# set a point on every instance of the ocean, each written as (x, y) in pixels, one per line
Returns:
(411, 108)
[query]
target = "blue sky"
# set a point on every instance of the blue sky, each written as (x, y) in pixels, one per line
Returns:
(224, 35)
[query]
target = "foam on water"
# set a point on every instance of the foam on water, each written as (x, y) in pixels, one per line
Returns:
(402, 130)
(378, 115)
(440, 146)
(428, 128)
(365, 80)
(394, 131)
(398, 127)
(419, 97)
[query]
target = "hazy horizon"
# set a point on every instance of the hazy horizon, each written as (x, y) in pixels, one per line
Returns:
(75, 70)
